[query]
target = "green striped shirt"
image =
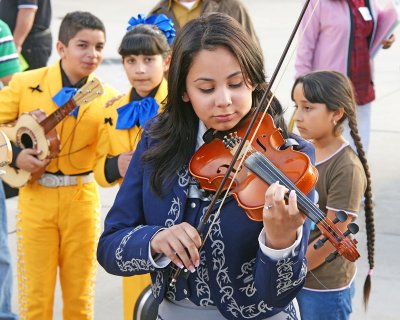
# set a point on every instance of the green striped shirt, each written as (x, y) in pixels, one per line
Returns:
(9, 62)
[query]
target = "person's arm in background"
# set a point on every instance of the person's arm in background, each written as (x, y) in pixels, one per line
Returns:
(8, 55)
(24, 23)
(382, 16)
(308, 38)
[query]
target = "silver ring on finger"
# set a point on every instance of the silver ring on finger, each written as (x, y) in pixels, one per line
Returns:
(268, 206)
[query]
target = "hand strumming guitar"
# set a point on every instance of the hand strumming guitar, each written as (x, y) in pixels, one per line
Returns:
(28, 161)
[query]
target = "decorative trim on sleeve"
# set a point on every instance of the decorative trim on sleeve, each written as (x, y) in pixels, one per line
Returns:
(285, 275)
(132, 265)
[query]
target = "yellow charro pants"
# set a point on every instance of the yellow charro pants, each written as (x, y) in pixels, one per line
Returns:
(57, 230)
(132, 288)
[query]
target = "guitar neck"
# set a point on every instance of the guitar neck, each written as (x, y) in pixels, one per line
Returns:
(87, 93)
(57, 116)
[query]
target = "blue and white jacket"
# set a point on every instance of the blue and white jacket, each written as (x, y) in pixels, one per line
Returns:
(234, 274)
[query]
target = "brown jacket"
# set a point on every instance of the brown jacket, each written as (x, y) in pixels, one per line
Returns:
(233, 8)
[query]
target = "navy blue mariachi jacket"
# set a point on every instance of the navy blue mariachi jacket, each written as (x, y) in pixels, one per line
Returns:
(234, 275)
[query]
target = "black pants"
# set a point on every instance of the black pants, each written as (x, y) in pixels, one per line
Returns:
(9, 191)
(37, 49)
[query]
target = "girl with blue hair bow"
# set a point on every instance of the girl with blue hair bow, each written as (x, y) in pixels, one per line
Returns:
(145, 51)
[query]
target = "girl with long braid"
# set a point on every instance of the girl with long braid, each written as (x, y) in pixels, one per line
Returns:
(324, 100)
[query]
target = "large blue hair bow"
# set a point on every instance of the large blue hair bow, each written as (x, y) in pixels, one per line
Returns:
(161, 21)
(63, 96)
(136, 113)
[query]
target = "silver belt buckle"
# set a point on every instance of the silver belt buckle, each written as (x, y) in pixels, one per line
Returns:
(50, 180)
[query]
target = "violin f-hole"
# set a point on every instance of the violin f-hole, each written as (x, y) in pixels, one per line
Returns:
(260, 143)
(225, 166)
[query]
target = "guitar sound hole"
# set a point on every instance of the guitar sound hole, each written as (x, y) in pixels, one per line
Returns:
(26, 141)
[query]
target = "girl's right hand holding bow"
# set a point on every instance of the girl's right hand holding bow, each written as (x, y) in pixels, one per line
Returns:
(180, 243)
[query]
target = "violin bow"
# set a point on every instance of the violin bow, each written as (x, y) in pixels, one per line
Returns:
(200, 228)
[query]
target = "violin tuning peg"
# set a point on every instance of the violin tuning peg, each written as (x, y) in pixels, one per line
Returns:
(320, 242)
(340, 216)
(352, 228)
(332, 256)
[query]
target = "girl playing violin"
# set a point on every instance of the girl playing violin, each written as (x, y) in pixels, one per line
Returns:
(146, 53)
(324, 100)
(244, 269)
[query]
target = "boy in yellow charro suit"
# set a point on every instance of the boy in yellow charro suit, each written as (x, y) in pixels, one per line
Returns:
(145, 51)
(58, 219)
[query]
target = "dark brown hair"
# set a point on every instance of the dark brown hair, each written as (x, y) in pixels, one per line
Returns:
(145, 39)
(336, 91)
(76, 21)
(175, 129)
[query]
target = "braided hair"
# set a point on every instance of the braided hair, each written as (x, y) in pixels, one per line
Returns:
(336, 91)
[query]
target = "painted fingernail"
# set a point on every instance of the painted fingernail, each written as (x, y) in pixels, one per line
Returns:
(292, 194)
(180, 265)
(192, 269)
(197, 263)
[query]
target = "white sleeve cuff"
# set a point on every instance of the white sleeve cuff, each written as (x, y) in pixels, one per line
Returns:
(160, 260)
(282, 253)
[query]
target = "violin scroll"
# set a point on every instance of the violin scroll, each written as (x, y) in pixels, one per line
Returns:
(345, 246)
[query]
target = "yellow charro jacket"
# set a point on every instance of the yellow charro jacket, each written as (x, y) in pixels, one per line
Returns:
(34, 90)
(112, 141)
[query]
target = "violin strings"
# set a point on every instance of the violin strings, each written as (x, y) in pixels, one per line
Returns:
(288, 184)
(248, 147)
(279, 176)
(253, 137)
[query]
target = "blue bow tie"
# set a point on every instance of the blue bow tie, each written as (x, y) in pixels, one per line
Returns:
(63, 96)
(136, 113)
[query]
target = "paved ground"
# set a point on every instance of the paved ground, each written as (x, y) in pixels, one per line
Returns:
(273, 20)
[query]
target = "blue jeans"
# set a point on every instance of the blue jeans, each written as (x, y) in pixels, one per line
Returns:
(326, 305)
(5, 264)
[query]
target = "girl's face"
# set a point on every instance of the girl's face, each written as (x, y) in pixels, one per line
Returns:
(313, 120)
(216, 89)
(145, 72)
(83, 54)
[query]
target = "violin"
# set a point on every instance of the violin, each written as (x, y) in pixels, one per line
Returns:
(265, 163)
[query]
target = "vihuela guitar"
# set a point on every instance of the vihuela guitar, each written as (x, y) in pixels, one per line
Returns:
(36, 130)
(5, 151)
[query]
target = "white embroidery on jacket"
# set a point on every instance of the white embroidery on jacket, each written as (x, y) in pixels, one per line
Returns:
(285, 275)
(291, 312)
(183, 176)
(202, 289)
(176, 205)
(156, 285)
(174, 211)
(132, 265)
(223, 280)
(247, 277)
